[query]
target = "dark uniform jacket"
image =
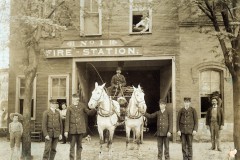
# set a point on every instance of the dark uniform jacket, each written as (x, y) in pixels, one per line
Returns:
(187, 120)
(51, 123)
(164, 121)
(220, 116)
(118, 80)
(75, 122)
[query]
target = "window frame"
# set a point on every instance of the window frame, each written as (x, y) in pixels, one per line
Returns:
(131, 10)
(221, 87)
(82, 20)
(50, 78)
(18, 85)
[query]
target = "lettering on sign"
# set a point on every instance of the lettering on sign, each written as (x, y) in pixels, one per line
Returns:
(94, 52)
(92, 43)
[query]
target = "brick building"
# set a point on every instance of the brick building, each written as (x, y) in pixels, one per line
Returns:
(170, 60)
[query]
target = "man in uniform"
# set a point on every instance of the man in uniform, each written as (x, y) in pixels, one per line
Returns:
(118, 81)
(215, 120)
(52, 130)
(75, 125)
(187, 125)
(164, 128)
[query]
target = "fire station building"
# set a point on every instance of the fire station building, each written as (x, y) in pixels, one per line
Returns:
(169, 57)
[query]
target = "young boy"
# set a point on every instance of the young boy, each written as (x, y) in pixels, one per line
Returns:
(15, 130)
(187, 125)
(164, 128)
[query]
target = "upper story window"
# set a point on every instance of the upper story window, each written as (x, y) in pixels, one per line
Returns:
(140, 17)
(90, 18)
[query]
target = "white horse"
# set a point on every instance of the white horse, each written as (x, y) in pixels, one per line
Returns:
(134, 117)
(108, 112)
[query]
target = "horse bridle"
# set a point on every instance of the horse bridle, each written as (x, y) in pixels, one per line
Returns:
(138, 102)
(99, 112)
(97, 100)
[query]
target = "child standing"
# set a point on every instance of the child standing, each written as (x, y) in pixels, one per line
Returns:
(15, 130)
(164, 128)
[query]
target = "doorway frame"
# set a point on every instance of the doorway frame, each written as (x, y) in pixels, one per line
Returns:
(155, 58)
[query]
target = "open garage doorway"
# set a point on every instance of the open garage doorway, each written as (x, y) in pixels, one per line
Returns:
(154, 76)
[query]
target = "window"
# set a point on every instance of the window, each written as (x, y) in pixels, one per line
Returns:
(210, 81)
(59, 88)
(90, 18)
(20, 96)
(140, 17)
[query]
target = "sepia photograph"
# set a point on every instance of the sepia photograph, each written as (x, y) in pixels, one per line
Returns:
(119, 79)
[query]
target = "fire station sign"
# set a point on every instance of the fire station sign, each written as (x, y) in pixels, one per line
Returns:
(93, 52)
(93, 48)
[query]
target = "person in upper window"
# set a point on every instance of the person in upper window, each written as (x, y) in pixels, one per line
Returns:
(143, 25)
(117, 81)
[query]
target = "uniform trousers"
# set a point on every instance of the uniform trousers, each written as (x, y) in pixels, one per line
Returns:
(163, 140)
(187, 146)
(50, 148)
(75, 139)
(215, 134)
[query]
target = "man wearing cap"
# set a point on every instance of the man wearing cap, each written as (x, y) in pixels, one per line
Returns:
(52, 129)
(215, 120)
(117, 81)
(75, 125)
(187, 125)
(164, 128)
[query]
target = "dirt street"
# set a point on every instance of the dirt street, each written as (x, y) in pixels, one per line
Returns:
(148, 149)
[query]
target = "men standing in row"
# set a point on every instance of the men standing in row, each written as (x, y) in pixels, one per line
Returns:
(215, 120)
(187, 125)
(75, 125)
(52, 130)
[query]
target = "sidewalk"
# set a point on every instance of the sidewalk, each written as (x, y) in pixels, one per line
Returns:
(148, 149)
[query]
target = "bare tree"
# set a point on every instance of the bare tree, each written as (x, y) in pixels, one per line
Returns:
(224, 15)
(31, 22)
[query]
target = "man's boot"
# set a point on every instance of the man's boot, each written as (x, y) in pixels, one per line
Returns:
(213, 145)
(218, 145)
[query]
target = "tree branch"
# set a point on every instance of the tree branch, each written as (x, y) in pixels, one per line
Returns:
(205, 11)
(50, 14)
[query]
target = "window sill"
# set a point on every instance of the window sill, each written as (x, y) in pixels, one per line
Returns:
(139, 33)
(91, 35)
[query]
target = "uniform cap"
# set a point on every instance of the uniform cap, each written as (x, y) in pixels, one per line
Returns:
(118, 69)
(162, 101)
(187, 99)
(53, 101)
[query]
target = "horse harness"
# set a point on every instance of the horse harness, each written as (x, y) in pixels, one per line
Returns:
(138, 112)
(111, 112)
